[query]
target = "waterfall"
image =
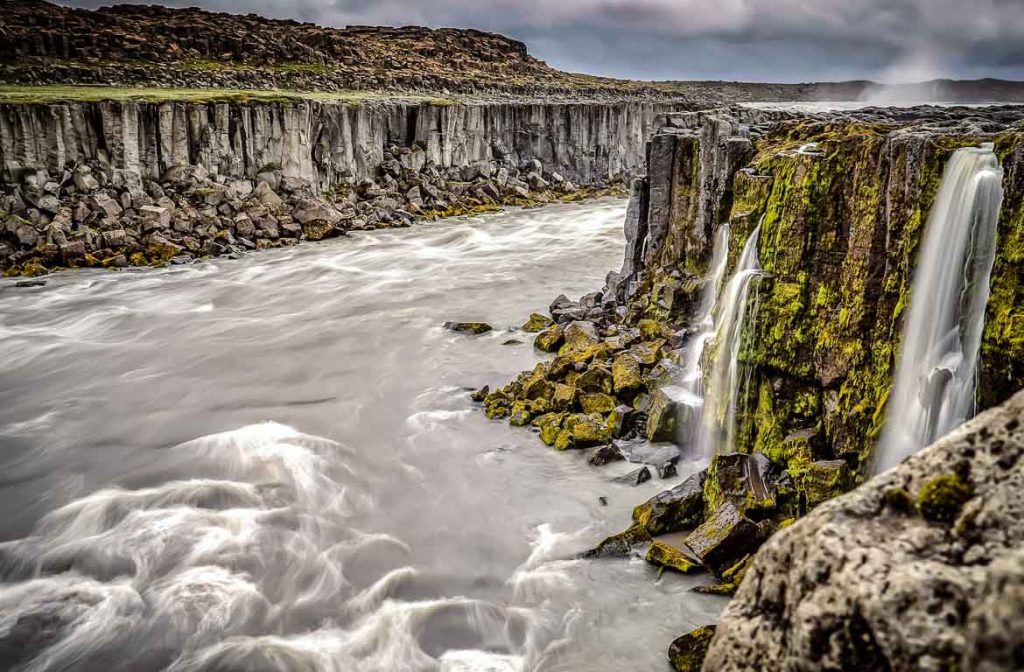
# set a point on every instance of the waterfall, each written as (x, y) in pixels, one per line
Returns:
(712, 412)
(933, 391)
(692, 383)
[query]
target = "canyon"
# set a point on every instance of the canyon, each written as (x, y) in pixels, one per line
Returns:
(759, 392)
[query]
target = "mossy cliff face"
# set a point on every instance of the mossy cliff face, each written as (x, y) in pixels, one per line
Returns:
(842, 203)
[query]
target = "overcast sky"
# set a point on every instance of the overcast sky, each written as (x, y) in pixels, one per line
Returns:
(753, 40)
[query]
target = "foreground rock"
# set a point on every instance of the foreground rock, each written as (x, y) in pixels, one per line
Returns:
(922, 568)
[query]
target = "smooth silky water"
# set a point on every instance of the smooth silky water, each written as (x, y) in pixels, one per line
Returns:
(272, 463)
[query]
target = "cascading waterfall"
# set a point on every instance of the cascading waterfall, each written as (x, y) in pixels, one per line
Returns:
(933, 391)
(721, 323)
(690, 395)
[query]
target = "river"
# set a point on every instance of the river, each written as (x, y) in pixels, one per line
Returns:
(273, 463)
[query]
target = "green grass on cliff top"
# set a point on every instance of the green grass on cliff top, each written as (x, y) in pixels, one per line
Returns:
(66, 93)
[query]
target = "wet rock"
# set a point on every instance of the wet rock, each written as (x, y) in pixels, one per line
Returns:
(481, 394)
(603, 455)
(537, 322)
(550, 339)
(687, 653)
(723, 538)
(564, 397)
(662, 416)
(468, 327)
(823, 480)
(674, 510)
(745, 481)
(664, 555)
(619, 545)
(586, 429)
(635, 477)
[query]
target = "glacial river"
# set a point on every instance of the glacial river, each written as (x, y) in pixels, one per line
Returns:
(272, 463)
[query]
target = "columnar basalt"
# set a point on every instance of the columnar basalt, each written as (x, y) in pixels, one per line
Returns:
(336, 166)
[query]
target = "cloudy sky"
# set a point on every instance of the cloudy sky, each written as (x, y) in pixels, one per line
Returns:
(753, 40)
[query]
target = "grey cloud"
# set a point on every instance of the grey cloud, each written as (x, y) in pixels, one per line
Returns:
(766, 40)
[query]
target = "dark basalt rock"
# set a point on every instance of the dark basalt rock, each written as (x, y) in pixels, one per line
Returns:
(635, 477)
(724, 538)
(674, 510)
(468, 327)
(687, 653)
(664, 555)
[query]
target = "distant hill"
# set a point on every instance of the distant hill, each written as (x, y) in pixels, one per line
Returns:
(155, 46)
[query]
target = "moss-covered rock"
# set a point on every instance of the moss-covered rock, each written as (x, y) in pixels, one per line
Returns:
(550, 339)
(564, 397)
(468, 327)
(662, 416)
(597, 403)
(674, 510)
(724, 538)
(661, 554)
(536, 323)
(620, 544)
(687, 653)
(626, 373)
(596, 379)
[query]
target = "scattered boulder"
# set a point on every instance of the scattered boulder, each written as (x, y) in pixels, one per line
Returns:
(468, 327)
(661, 554)
(537, 322)
(723, 538)
(674, 510)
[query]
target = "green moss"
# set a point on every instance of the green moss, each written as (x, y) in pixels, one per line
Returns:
(942, 497)
(687, 653)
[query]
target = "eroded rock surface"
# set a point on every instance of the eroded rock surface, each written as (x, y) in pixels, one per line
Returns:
(921, 568)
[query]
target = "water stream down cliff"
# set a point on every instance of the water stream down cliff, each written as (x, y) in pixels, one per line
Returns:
(934, 388)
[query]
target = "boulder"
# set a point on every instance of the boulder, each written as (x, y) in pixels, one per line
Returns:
(635, 477)
(580, 335)
(745, 481)
(309, 210)
(674, 510)
(921, 568)
(265, 195)
(687, 653)
(536, 323)
(662, 416)
(154, 217)
(597, 403)
(468, 327)
(626, 374)
(724, 538)
(666, 556)
(550, 339)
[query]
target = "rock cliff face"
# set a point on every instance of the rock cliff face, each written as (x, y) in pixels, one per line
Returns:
(323, 143)
(842, 200)
(922, 568)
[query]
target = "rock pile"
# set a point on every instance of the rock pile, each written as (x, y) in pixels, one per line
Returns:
(93, 215)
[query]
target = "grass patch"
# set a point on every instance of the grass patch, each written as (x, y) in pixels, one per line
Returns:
(24, 95)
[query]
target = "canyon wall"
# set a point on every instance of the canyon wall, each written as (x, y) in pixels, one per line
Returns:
(842, 200)
(323, 143)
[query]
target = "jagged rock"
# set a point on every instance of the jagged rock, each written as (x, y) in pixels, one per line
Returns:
(661, 554)
(105, 204)
(603, 455)
(537, 322)
(887, 587)
(725, 536)
(580, 335)
(550, 339)
(265, 195)
(620, 544)
(154, 217)
(662, 416)
(635, 477)
(626, 373)
(674, 510)
(687, 653)
(468, 327)
(597, 403)
(596, 379)
(745, 481)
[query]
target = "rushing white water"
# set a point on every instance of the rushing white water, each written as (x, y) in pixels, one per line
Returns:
(716, 434)
(934, 388)
(345, 507)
